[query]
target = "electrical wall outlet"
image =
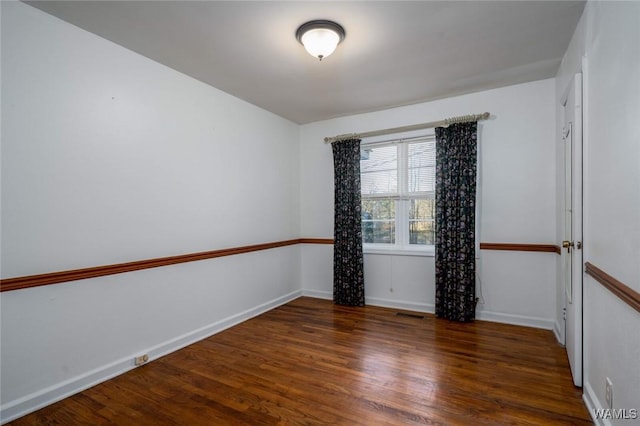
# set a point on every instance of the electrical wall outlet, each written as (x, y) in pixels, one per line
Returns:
(608, 393)
(139, 360)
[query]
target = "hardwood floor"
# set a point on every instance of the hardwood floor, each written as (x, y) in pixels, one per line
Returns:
(312, 362)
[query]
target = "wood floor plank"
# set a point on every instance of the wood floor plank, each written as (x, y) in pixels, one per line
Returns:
(311, 362)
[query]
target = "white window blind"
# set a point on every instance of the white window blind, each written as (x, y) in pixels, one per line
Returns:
(379, 170)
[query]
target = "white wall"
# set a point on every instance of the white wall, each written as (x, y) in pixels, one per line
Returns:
(109, 157)
(608, 37)
(518, 201)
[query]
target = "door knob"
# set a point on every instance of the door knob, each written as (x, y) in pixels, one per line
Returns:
(567, 244)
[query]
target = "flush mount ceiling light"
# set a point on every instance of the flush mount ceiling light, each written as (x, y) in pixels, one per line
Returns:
(320, 37)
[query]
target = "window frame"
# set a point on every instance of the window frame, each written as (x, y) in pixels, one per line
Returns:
(402, 199)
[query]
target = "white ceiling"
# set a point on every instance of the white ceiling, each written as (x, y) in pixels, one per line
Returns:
(395, 52)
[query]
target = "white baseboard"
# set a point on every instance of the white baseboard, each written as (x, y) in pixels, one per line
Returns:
(400, 304)
(430, 309)
(318, 294)
(376, 301)
(32, 402)
(513, 319)
(557, 330)
(592, 402)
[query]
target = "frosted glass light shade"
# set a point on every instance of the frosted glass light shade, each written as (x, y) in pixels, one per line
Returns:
(320, 42)
(320, 38)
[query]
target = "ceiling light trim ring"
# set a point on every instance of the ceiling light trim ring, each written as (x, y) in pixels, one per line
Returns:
(320, 23)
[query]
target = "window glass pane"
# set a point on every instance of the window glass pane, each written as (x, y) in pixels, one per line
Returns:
(379, 170)
(422, 232)
(421, 221)
(378, 209)
(422, 209)
(422, 167)
(378, 221)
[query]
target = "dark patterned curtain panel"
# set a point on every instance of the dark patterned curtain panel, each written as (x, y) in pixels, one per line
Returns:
(348, 265)
(456, 153)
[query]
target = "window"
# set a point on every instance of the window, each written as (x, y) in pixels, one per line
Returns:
(398, 194)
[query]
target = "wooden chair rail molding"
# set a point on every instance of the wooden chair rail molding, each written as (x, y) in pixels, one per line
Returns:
(549, 248)
(19, 283)
(624, 292)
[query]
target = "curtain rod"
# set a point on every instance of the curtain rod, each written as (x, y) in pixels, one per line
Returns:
(441, 123)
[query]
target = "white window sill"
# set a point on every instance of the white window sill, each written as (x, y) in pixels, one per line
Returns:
(399, 251)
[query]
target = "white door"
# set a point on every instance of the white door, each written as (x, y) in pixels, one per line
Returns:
(572, 244)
